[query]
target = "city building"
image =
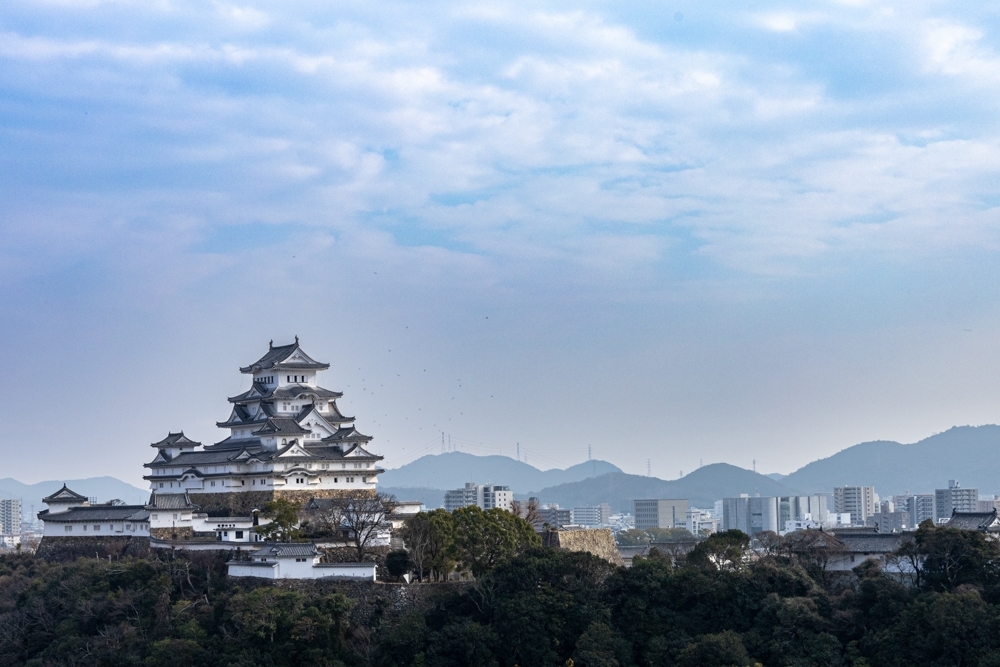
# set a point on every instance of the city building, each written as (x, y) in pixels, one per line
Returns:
(891, 522)
(701, 522)
(920, 506)
(286, 439)
(988, 503)
(668, 513)
(486, 496)
(555, 516)
(10, 516)
(596, 517)
(758, 514)
(858, 501)
(954, 499)
(297, 561)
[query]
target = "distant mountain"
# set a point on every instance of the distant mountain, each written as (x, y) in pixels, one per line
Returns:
(702, 488)
(969, 454)
(453, 469)
(776, 476)
(102, 488)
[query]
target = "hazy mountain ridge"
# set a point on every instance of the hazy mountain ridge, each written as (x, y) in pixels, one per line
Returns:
(103, 488)
(969, 454)
(702, 488)
(453, 469)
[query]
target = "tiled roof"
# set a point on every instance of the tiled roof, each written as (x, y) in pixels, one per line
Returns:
(347, 434)
(64, 495)
(98, 513)
(874, 543)
(280, 426)
(292, 550)
(175, 440)
(294, 391)
(276, 356)
(980, 521)
(171, 501)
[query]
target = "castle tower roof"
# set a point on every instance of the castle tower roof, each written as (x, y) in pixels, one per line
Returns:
(285, 358)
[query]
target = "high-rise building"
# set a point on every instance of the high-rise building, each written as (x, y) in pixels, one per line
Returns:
(596, 516)
(758, 514)
(666, 513)
(858, 501)
(954, 499)
(555, 516)
(920, 507)
(10, 516)
(484, 496)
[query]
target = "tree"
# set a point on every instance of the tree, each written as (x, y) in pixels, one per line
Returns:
(398, 563)
(284, 516)
(632, 537)
(528, 510)
(430, 538)
(364, 516)
(952, 557)
(721, 551)
(485, 539)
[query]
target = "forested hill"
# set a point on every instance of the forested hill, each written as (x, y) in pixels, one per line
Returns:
(702, 488)
(969, 454)
(453, 469)
(537, 607)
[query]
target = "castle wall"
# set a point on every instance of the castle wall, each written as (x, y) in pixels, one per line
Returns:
(63, 549)
(242, 503)
(599, 542)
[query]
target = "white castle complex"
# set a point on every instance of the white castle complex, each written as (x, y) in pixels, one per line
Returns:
(286, 438)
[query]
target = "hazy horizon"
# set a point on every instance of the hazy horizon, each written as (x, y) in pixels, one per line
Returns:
(673, 233)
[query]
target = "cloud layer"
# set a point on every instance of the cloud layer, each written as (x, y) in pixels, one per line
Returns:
(638, 171)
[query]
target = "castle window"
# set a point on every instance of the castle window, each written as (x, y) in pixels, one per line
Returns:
(239, 534)
(69, 529)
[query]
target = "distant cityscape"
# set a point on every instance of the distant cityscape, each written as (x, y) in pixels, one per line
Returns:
(844, 507)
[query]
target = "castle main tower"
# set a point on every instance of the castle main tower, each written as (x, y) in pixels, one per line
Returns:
(286, 439)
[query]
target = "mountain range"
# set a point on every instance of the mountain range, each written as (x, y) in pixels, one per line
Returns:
(969, 454)
(453, 469)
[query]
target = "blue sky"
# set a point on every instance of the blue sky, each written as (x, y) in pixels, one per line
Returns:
(673, 231)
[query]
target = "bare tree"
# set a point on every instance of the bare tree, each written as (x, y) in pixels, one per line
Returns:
(364, 516)
(528, 510)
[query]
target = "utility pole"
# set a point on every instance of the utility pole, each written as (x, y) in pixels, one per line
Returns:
(518, 451)
(649, 468)
(442, 442)
(755, 465)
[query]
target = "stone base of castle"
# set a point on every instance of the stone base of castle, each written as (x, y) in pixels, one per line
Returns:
(64, 549)
(242, 503)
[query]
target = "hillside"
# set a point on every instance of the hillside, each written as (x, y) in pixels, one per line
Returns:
(702, 488)
(103, 488)
(969, 454)
(454, 469)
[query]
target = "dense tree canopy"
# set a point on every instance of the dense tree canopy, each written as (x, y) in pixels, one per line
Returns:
(726, 605)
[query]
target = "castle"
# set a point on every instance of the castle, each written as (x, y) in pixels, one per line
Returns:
(286, 439)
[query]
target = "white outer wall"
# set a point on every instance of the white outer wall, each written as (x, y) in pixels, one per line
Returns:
(284, 569)
(108, 529)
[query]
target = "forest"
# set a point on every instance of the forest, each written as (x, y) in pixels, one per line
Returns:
(723, 605)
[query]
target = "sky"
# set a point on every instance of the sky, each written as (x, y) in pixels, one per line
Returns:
(674, 233)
